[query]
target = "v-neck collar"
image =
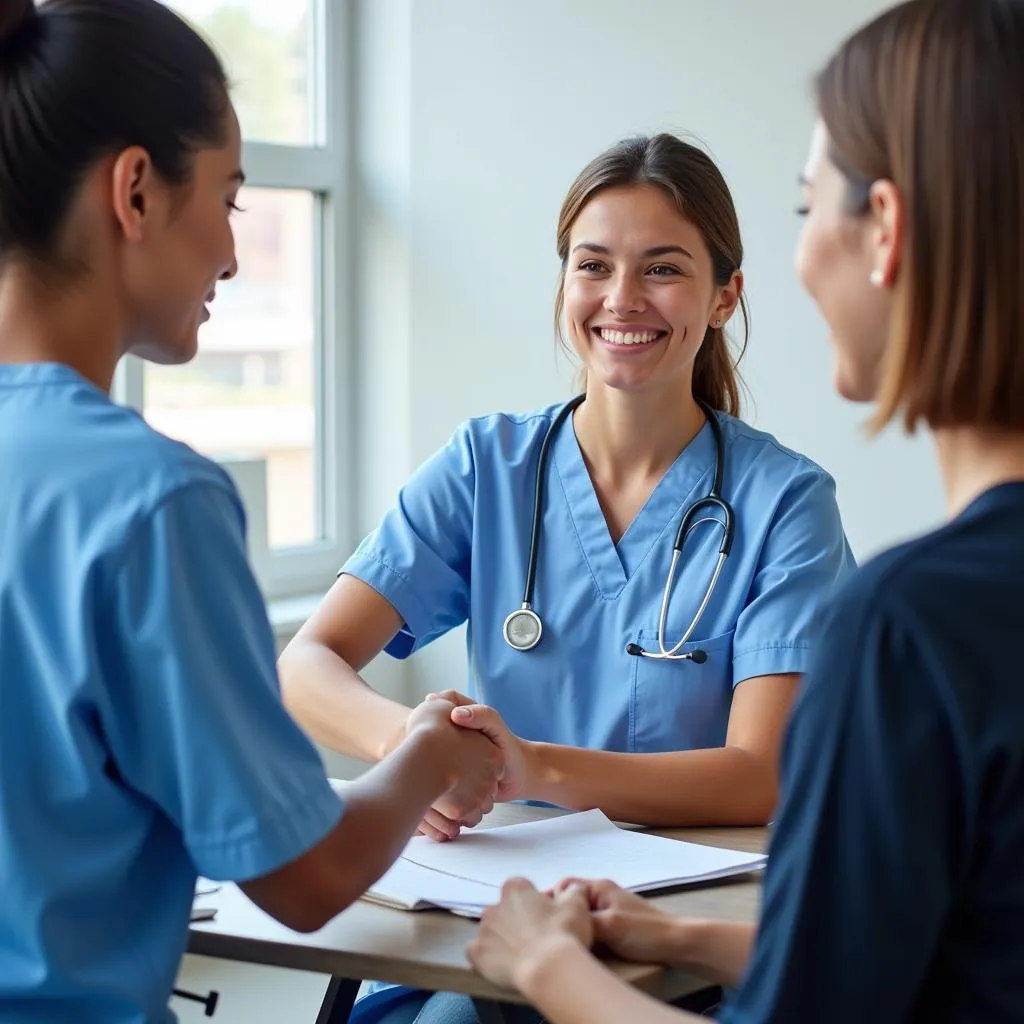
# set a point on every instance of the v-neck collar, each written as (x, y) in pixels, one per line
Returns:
(614, 565)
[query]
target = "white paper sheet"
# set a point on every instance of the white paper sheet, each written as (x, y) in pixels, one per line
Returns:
(467, 874)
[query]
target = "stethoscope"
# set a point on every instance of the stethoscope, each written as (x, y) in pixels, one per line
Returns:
(523, 628)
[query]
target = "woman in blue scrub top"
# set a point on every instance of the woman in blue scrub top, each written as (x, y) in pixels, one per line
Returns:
(651, 275)
(894, 890)
(142, 734)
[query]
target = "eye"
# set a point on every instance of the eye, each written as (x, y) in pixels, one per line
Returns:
(802, 211)
(664, 270)
(234, 207)
(591, 267)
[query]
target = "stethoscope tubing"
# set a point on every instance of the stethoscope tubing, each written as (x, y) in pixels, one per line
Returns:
(523, 627)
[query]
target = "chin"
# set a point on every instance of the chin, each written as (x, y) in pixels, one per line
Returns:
(852, 386)
(622, 382)
(166, 353)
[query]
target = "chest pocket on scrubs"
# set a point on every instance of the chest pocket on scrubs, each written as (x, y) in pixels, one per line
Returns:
(680, 705)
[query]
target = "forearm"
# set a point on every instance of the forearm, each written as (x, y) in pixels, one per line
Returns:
(722, 786)
(569, 986)
(382, 809)
(329, 699)
(716, 950)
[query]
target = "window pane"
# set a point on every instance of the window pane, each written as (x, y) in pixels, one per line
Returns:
(265, 47)
(250, 389)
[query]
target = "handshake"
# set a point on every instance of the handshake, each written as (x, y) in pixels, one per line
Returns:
(487, 763)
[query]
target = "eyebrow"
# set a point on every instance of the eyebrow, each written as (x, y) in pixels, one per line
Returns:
(657, 250)
(238, 176)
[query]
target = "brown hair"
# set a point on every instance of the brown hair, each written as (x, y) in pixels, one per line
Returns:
(692, 182)
(928, 96)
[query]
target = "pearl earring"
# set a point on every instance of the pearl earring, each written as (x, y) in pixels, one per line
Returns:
(877, 278)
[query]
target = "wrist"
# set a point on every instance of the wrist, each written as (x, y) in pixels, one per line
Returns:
(544, 964)
(433, 753)
(395, 735)
(686, 942)
(541, 775)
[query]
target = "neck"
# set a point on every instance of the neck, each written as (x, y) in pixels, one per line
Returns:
(974, 460)
(625, 437)
(76, 325)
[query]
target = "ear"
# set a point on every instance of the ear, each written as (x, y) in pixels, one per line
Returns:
(728, 299)
(888, 216)
(135, 192)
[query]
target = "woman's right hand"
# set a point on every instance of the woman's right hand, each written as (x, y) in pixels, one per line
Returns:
(476, 763)
(628, 925)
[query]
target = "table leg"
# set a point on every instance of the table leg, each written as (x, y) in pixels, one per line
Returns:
(339, 999)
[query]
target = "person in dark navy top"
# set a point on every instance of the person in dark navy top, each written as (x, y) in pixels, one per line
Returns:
(895, 884)
(896, 887)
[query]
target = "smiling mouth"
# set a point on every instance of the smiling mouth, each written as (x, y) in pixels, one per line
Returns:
(628, 339)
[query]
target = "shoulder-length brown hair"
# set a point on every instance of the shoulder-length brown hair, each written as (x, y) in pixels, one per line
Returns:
(928, 96)
(695, 186)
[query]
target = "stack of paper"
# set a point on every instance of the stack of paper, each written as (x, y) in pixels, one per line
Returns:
(466, 876)
(204, 888)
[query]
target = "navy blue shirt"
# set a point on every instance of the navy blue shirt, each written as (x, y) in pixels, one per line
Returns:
(895, 885)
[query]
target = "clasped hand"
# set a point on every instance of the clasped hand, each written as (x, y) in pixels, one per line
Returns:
(486, 741)
(527, 926)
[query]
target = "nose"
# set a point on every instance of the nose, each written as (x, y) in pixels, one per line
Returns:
(624, 296)
(231, 270)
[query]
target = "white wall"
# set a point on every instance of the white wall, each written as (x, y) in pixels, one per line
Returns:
(507, 102)
(473, 118)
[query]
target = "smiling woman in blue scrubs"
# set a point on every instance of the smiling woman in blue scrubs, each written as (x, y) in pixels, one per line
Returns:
(651, 274)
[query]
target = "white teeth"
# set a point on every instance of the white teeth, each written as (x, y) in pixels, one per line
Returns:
(628, 337)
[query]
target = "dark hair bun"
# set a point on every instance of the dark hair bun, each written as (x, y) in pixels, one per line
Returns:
(14, 15)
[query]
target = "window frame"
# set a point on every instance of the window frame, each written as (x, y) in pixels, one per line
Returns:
(323, 168)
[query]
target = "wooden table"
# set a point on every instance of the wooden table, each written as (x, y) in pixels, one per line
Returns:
(426, 949)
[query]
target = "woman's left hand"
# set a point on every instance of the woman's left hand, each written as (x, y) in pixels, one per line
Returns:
(525, 927)
(516, 783)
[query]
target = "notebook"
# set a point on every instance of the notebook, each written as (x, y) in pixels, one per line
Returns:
(466, 876)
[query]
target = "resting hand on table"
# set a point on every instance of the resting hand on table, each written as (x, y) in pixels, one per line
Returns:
(628, 925)
(524, 927)
(478, 766)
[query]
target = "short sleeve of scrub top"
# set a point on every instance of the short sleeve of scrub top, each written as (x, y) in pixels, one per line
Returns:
(225, 762)
(419, 557)
(803, 555)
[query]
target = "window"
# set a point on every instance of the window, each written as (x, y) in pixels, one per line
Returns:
(264, 396)
(250, 391)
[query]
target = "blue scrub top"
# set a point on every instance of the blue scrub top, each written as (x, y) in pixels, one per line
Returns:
(895, 882)
(142, 736)
(455, 547)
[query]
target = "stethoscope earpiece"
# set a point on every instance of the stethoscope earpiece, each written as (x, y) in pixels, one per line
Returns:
(522, 628)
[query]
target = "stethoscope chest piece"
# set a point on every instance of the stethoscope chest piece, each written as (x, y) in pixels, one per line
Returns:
(522, 629)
